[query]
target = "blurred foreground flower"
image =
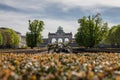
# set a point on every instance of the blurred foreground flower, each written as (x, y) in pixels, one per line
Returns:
(43, 66)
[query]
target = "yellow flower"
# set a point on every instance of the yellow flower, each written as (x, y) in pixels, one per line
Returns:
(117, 78)
(90, 74)
(16, 62)
(33, 77)
(100, 75)
(69, 73)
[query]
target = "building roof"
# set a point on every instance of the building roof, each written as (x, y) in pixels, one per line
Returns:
(60, 30)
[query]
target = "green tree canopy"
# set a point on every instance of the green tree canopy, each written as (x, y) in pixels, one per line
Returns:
(9, 37)
(113, 35)
(91, 31)
(14, 38)
(1, 39)
(34, 37)
(5, 37)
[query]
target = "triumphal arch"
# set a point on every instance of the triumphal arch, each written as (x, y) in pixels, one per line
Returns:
(59, 36)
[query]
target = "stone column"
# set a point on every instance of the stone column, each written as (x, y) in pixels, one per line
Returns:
(56, 40)
(63, 39)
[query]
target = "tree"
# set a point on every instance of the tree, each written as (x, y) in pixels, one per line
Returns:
(113, 35)
(13, 38)
(4, 38)
(34, 37)
(91, 31)
(30, 39)
(9, 38)
(1, 39)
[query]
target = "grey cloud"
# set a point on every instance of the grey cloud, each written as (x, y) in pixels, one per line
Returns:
(8, 8)
(52, 12)
(113, 14)
(5, 7)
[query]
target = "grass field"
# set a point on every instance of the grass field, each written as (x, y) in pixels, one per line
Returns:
(43, 66)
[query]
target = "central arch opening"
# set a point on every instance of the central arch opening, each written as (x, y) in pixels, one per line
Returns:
(67, 40)
(60, 40)
(53, 40)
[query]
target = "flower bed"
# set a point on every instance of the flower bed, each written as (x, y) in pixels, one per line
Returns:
(43, 66)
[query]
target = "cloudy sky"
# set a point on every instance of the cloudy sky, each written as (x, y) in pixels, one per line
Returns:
(16, 13)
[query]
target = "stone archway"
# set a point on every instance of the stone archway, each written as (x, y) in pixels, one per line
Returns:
(60, 34)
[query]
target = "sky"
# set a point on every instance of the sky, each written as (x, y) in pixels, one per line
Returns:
(65, 13)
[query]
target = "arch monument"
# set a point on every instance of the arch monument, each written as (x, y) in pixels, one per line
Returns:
(59, 36)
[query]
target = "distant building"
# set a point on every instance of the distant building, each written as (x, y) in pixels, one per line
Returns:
(59, 36)
(22, 38)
